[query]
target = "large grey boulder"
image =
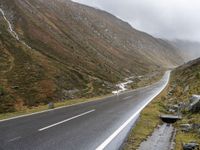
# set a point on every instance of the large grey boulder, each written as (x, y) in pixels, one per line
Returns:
(194, 105)
(191, 146)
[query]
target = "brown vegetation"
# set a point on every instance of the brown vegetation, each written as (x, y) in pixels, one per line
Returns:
(73, 48)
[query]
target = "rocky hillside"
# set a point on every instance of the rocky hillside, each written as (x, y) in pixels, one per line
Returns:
(186, 80)
(58, 49)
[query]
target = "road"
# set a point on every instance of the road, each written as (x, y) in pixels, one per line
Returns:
(102, 124)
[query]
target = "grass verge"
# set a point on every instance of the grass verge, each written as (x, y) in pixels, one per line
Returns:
(149, 119)
(66, 103)
(25, 110)
(184, 82)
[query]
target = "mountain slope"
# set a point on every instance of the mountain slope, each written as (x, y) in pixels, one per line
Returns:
(62, 49)
(187, 79)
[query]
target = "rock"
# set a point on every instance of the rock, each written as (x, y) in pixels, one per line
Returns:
(186, 88)
(171, 110)
(69, 94)
(191, 146)
(194, 98)
(51, 105)
(15, 87)
(170, 94)
(196, 126)
(186, 127)
(194, 105)
(174, 108)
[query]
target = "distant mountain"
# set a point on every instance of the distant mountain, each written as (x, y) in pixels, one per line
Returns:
(58, 49)
(189, 49)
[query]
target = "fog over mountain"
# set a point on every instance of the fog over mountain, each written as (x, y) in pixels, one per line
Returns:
(185, 46)
(171, 19)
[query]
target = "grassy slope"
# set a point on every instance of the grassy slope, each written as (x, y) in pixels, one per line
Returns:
(182, 77)
(186, 83)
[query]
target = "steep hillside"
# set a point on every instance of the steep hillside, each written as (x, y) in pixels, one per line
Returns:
(58, 49)
(185, 83)
(186, 80)
(188, 49)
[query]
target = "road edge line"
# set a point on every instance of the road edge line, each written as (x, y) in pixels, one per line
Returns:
(113, 135)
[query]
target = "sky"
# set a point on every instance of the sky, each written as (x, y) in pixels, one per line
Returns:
(168, 19)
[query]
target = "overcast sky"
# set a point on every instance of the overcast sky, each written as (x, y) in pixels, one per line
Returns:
(171, 19)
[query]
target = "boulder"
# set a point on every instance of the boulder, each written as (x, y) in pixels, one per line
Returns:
(186, 127)
(51, 105)
(194, 105)
(191, 146)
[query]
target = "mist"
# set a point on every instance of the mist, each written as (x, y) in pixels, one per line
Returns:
(168, 19)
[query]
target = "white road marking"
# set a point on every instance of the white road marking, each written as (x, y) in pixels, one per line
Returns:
(50, 126)
(14, 139)
(127, 97)
(112, 136)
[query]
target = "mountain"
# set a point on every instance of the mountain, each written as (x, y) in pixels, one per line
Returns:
(53, 50)
(189, 50)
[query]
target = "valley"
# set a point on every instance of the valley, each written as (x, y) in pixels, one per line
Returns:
(58, 55)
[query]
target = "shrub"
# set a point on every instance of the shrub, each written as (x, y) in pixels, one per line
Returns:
(198, 75)
(1, 90)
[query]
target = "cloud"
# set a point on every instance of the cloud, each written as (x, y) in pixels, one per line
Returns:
(171, 19)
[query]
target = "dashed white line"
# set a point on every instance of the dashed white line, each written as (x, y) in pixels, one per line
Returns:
(14, 139)
(50, 126)
(113, 135)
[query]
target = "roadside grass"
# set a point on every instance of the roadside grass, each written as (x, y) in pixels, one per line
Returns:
(66, 103)
(184, 82)
(25, 110)
(186, 137)
(183, 137)
(142, 82)
(148, 121)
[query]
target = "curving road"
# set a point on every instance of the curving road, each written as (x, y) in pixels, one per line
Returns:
(102, 124)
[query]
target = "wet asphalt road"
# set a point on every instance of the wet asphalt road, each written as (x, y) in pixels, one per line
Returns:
(94, 125)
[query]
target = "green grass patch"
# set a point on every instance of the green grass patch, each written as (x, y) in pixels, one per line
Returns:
(1, 90)
(192, 135)
(183, 137)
